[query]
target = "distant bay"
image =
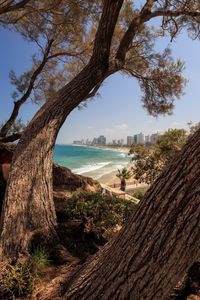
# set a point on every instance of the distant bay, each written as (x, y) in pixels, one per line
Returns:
(90, 161)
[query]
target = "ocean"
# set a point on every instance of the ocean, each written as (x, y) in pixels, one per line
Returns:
(90, 161)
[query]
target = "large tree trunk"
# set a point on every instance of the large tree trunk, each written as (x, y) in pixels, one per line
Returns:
(157, 245)
(28, 207)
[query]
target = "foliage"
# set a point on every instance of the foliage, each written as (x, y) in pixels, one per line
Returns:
(63, 32)
(124, 174)
(16, 281)
(193, 127)
(104, 211)
(59, 32)
(20, 280)
(17, 126)
(149, 162)
(40, 257)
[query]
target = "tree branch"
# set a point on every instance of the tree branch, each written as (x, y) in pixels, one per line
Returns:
(9, 8)
(94, 91)
(169, 13)
(103, 38)
(11, 138)
(144, 16)
(4, 130)
(131, 31)
(65, 53)
(100, 55)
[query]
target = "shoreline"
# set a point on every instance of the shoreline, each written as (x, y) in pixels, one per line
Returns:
(111, 148)
(111, 180)
(106, 147)
(104, 171)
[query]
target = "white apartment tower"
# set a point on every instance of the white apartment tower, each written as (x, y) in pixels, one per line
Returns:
(140, 138)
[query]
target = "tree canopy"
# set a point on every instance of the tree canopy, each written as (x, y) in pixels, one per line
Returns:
(58, 30)
(64, 31)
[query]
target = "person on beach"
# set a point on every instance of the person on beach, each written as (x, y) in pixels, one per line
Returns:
(5, 162)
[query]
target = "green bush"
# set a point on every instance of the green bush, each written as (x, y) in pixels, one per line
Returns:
(105, 211)
(16, 281)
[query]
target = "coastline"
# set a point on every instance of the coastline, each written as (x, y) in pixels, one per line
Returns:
(92, 161)
(124, 149)
(117, 148)
(113, 182)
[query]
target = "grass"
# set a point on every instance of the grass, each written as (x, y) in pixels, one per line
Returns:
(20, 280)
(138, 192)
(16, 281)
(40, 257)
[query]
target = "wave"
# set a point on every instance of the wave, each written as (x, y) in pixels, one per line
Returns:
(123, 154)
(91, 167)
(109, 170)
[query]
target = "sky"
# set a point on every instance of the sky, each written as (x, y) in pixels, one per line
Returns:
(118, 111)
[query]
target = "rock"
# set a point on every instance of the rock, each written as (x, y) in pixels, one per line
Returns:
(65, 180)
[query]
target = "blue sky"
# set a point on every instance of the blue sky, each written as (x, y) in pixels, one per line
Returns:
(118, 111)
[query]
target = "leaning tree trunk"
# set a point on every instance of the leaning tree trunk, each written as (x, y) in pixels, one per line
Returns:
(29, 208)
(159, 243)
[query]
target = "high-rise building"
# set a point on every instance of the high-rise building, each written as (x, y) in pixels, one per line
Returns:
(135, 139)
(94, 142)
(140, 138)
(154, 137)
(147, 139)
(130, 140)
(88, 142)
(78, 142)
(101, 141)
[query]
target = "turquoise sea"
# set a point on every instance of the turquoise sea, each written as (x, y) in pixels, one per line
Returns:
(90, 161)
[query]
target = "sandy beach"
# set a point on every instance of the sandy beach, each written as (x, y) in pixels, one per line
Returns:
(100, 163)
(113, 181)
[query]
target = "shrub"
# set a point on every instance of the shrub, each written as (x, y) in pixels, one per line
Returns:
(16, 281)
(105, 211)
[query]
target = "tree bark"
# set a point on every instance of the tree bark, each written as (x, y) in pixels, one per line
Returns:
(13, 6)
(28, 207)
(157, 246)
(123, 185)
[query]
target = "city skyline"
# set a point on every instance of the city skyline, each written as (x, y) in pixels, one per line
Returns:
(119, 138)
(138, 138)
